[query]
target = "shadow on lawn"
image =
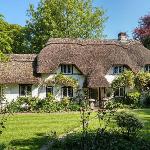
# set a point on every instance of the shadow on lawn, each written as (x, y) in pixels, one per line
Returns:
(34, 143)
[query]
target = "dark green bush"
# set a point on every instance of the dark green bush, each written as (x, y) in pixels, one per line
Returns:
(146, 100)
(98, 140)
(133, 99)
(129, 124)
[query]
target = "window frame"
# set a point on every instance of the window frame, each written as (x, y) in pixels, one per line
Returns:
(148, 71)
(49, 87)
(65, 69)
(67, 87)
(119, 67)
(1, 92)
(26, 90)
(119, 92)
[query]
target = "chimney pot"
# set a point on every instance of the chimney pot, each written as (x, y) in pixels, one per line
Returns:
(122, 36)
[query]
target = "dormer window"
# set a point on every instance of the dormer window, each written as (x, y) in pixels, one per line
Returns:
(118, 69)
(147, 68)
(66, 69)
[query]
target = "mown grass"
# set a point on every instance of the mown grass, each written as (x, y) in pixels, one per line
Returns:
(28, 131)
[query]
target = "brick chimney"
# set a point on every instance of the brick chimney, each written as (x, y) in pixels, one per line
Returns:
(122, 36)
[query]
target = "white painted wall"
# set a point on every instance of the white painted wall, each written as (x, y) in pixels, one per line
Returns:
(11, 91)
(110, 76)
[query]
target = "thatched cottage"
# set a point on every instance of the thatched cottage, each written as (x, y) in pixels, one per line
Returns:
(93, 63)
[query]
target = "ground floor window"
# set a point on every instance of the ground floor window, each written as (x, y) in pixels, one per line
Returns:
(1, 91)
(49, 90)
(67, 91)
(93, 94)
(25, 90)
(120, 92)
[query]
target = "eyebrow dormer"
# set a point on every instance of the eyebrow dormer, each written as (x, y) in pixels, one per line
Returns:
(118, 69)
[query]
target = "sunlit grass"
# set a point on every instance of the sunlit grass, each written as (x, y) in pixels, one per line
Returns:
(27, 131)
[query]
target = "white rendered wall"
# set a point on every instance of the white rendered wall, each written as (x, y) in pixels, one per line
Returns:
(110, 76)
(11, 92)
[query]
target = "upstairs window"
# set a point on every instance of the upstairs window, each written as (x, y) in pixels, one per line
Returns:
(147, 68)
(25, 89)
(67, 91)
(67, 69)
(118, 69)
(120, 92)
(49, 90)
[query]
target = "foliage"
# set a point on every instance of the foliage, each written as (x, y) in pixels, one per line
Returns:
(12, 38)
(142, 81)
(63, 19)
(146, 100)
(96, 140)
(4, 111)
(61, 80)
(133, 98)
(48, 105)
(126, 79)
(129, 124)
(142, 32)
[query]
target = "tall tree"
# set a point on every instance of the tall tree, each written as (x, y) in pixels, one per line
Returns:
(12, 38)
(63, 19)
(142, 32)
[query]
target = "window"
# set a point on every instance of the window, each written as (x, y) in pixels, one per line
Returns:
(67, 91)
(119, 92)
(67, 69)
(147, 68)
(118, 69)
(49, 90)
(1, 91)
(25, 90)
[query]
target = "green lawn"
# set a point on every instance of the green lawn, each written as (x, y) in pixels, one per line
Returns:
(27, 131)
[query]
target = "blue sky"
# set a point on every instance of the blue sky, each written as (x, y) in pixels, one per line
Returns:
(123, 14)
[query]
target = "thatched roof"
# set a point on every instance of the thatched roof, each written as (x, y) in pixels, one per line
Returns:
(19, 69)
(93, 57)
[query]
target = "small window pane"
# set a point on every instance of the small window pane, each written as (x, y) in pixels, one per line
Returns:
(64, 91)
(66, 69)
(25, 90)
(115, 70)
(49, 90)
(116, 92)
(147, 68)
(70, 92)
(121, 92)
(69, 68)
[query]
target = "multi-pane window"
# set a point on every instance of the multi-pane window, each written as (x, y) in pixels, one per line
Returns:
(66, 69)
(147, 68)
(1, 91)
(67, 91)
(25, 90)
(49, 90)
(119, 92)
(118, 69)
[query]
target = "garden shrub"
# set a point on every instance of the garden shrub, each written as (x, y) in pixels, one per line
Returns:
(146, 100)
(129, 124)
(97, 140)
(47, 105)
(133, 99)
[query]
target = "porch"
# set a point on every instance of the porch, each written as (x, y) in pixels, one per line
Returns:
(99, 96)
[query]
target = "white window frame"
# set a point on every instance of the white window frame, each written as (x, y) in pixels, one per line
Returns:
(119, 92)
(120, 69)
(51, 88)
(26, 92)
(147, 68)
(67, 87)
(65, 69)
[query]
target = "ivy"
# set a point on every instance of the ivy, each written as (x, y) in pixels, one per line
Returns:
(61, 80)
(126, 79)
